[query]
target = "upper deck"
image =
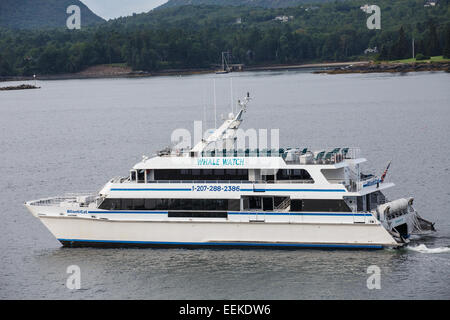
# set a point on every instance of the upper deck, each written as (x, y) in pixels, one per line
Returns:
(218, 159)
(253, 159)
(326, 169)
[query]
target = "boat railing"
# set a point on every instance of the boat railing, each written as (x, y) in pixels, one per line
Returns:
(369, 181)
(48, 202)
(232, 181)
(348, 183)
(332, 156)
(120, 179)
(289, 155)
(353, 185)
(88, 197)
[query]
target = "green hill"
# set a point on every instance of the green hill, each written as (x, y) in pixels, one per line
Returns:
(37, 14)
(247, 3)
(194, 36)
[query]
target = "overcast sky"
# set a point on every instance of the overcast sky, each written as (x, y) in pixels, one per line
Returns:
(110, 9)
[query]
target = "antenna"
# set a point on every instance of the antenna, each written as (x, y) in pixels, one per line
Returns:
(215, 105)
(231, 92)
(204, 105)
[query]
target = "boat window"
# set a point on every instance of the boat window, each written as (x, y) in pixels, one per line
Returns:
(319, 205)
(207, 172)
(111, 204)
(296, 205)
(127, 204)
(359, 203)
(171, 204)
(138, 204)
(374, 199)
(294, 174)
(162, 204)
(150, 204)
(252, 203)
(201, 174)
(234, 205)
(141, 176)
(133, 175)
(268, 203)
(148, 172)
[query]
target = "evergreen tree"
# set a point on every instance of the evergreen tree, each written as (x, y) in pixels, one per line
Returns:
(401, 47)
(432, 46)
(384, 53)
(446, 52)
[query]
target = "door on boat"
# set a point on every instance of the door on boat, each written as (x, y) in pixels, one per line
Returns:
(360, 215)
(253, 206)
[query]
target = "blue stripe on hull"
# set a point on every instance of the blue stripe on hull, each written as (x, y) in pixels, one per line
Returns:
(301, 214)
(129, 212)
(85, 242)
(248, 213)
(152, 189)
(256, 190)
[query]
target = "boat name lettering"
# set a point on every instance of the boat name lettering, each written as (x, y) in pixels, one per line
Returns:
(371, 183)
(220, 161)
(77, 211)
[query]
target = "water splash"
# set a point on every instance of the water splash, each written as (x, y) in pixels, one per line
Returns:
(424, 249)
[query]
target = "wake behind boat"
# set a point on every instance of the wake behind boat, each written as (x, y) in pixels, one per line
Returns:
(262, 198)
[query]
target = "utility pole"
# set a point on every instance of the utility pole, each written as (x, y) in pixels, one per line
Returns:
(413, 48)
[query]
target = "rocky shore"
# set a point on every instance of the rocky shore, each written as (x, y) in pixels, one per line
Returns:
(108, 71)
(389, 67)
(19, 87)
(122, 71)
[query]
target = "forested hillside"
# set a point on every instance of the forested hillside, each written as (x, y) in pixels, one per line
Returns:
(33, 14)
(195, 36)
(250, 3)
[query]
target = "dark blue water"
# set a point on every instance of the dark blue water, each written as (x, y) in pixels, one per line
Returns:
(74, 135)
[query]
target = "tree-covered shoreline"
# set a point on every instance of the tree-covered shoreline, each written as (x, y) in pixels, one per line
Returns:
(194, 37)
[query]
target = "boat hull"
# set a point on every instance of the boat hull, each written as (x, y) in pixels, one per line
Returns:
(76, 231)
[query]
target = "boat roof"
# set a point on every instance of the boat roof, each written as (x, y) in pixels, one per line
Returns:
(185, 161)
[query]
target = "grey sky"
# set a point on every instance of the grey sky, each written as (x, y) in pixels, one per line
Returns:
(110, 9)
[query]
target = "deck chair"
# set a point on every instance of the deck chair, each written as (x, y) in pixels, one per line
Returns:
(328, 157)
(345, 152)
(319, 156)
(336, 150)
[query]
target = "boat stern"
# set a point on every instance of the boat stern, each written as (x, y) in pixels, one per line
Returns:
(401, 220)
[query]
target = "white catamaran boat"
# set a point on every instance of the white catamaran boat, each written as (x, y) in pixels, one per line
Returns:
(237, 198)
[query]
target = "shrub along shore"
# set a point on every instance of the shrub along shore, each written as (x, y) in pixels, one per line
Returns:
(390, 67)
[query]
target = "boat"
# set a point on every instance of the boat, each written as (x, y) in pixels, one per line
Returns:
(225, 68)
(205, 196)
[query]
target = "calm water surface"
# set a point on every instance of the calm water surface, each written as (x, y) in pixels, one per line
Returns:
(75, 135)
